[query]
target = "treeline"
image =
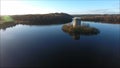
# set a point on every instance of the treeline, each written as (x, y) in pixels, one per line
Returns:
(113, 18)
(47, 18)
(36, 19)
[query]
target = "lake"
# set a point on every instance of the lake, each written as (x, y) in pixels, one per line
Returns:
(48, 46)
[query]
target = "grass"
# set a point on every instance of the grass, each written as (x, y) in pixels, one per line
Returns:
(7, 19)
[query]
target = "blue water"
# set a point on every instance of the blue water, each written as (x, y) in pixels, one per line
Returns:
(47, 46)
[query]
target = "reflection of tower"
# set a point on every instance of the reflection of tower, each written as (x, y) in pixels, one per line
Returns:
(76, 36)
(76, 22)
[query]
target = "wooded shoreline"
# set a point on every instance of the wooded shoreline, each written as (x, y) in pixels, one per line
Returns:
(103, 18)
(38, 18)
(34, 19)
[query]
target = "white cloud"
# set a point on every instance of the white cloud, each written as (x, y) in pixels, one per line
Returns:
(19, 7)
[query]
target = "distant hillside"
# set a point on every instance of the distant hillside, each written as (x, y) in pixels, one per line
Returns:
(61, 17)
(108, 18)
(80, 15)
(34, 19)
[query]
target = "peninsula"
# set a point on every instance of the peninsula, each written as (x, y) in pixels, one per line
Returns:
(34, 19)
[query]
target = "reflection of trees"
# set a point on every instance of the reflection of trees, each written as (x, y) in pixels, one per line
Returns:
(7, 25)
(75, 32)
(11, 24)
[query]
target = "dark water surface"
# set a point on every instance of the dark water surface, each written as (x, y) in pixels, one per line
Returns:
(47, 46)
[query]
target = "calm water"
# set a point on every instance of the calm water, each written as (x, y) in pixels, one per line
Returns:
(47, 46)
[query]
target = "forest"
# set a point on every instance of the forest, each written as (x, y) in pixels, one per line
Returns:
(34, 19)
(38, 18)
(105, 18)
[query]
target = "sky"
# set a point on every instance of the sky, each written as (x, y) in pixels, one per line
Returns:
(16, 7)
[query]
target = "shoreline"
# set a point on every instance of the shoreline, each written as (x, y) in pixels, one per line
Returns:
(105, 18)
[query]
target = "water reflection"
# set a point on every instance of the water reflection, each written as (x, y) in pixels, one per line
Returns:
(76, 29)
(49, 47)
(75, 36)
(7, 25)
(12, 24)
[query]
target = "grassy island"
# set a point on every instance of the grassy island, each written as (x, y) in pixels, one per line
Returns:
(83, 30)
(75, 32)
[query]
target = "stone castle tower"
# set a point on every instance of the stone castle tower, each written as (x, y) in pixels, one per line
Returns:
(76, 22)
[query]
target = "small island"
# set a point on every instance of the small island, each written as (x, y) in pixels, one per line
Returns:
(76, 29)
(84, 30)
